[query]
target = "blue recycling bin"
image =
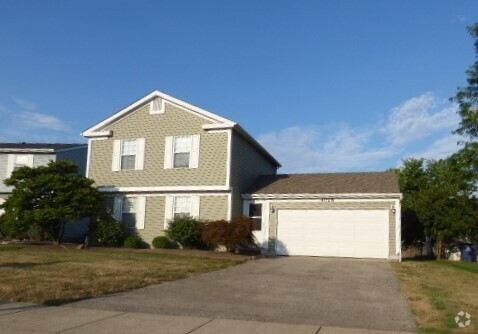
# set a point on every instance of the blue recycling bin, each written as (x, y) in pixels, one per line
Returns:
(468, 253)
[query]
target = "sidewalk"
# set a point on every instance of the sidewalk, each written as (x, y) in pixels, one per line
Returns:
(19, 318)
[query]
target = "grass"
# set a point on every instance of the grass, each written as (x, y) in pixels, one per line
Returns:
(57, 275)
(437, 291)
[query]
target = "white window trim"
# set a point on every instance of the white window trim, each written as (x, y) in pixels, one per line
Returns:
(118, 153)
(193, 153)
(12, 159)
(140, 210)
(170, 204)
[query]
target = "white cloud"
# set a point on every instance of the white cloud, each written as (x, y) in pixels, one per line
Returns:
(35, 120)
(440, 148)
(418, 118)
(300, 150)
(370, 147)
(24, 104)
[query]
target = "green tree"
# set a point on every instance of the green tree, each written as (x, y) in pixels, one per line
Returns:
(48, 197)
(439, 194)
(467, 97)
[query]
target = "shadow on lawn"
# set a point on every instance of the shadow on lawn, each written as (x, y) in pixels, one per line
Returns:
(21, 265)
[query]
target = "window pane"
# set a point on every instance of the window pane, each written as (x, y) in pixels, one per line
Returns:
(257, 224)
(181, 160)
(128, 147)
(128, 162)
(182, 206)
(129, 220)
(129, 204)
(255, 210)
(20, 161)
(182, 144)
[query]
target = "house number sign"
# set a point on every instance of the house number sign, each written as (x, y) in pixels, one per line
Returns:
(327, 200)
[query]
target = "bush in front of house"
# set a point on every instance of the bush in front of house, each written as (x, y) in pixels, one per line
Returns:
(236, 233)
(184, 231)
(133, 242)
(161, 242)
(108, 231)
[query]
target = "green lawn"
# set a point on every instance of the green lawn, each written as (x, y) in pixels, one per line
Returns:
(437, 291)
(55, 275)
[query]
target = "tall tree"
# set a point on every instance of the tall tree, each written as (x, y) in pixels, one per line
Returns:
(467, 97)
(48, 197)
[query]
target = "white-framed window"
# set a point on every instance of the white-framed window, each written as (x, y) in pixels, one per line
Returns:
(128, 154)
(182, 152)
(180, 206)
(255, 212)
(157, 106)
(16, 161)
(130, 210)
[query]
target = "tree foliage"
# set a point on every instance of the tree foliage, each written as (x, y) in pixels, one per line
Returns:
(49, 197)
(467, 97)
(438, 195)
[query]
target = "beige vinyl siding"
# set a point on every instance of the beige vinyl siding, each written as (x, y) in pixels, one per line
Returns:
(154, 128)
(211, 208)
(247, 164)
(338, 206)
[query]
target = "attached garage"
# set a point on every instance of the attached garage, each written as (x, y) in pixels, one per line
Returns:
(343, 233)
(334, 215)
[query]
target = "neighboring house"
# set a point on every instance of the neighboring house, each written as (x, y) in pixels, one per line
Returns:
(16, 155)
(162, 157)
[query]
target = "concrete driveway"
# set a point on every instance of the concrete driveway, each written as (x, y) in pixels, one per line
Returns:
(301, 290)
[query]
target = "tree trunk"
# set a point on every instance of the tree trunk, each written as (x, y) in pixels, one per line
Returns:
(62, 232)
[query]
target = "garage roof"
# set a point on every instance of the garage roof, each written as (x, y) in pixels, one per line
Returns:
(326, 183)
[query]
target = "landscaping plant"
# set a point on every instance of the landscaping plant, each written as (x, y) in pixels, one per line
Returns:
(108, 231)
(236, 233)
(184, 230)
(133, 242)
(161, 242)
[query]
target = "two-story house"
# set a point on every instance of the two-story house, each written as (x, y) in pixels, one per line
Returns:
(161, 157)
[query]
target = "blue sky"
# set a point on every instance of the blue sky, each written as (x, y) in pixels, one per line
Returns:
(326, 86)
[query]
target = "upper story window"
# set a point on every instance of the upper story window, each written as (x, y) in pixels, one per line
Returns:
(22, 160)
(181, 152)
(15, 161)
(255, 212)
(128, 154)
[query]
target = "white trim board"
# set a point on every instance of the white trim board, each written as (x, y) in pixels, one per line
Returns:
(163, 189)
(94, 130)
(320, 196)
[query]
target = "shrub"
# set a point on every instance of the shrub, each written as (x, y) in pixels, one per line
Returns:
(161, 242)
(108, 231)
(184, 230)
(238, 232)
(133, 242)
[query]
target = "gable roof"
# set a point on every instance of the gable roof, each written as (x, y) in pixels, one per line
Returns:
(327, 183)
(36, 147)
(217, 122)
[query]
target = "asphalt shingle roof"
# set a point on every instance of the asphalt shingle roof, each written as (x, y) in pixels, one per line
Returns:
(327, 183)
(36, 146)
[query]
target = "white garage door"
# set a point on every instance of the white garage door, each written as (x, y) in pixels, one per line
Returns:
(343, 233)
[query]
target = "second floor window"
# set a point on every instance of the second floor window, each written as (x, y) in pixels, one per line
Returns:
(22, 160)
(182, 151)
(128, 154)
